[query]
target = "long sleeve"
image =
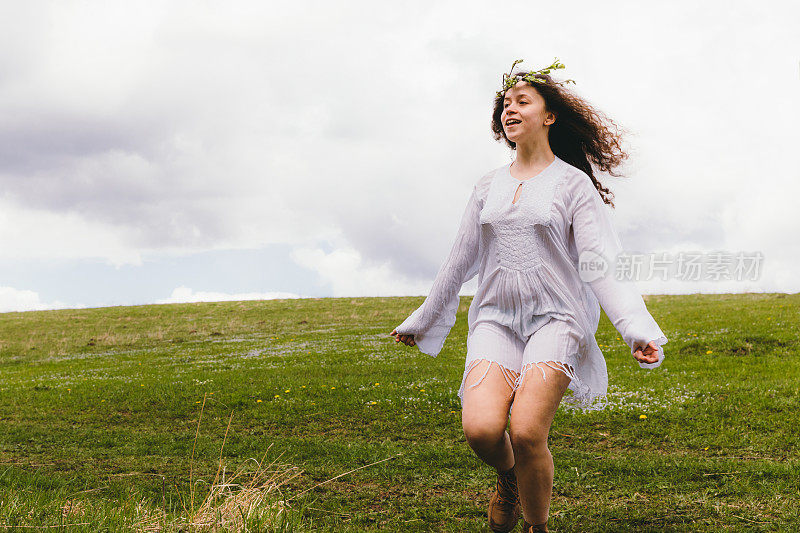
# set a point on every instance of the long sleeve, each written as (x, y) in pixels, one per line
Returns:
(598, 244)
(431, 322)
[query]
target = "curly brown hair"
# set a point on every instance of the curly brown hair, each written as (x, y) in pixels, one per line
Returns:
(579, 135)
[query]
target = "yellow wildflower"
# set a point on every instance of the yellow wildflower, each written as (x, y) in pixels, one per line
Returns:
(642, 417)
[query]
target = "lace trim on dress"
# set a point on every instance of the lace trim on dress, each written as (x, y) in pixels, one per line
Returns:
(509, 375)
(581, 397)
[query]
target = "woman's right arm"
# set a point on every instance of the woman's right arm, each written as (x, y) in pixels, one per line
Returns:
(431, 322)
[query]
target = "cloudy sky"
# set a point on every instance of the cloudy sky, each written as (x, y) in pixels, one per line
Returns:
(183, 151)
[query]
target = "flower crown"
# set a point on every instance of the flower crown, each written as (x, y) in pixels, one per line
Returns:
(509, 80)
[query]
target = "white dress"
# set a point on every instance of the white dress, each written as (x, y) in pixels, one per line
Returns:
(526, 255)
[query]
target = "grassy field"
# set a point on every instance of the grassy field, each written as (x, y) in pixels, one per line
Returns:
(152, 418)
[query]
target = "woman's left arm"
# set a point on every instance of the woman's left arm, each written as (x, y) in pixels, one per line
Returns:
(598, 246)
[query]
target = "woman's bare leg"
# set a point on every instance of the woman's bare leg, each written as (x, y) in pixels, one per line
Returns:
(485, 415)
(535, 404)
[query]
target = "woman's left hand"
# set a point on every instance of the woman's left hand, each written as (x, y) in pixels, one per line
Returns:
(649, 355)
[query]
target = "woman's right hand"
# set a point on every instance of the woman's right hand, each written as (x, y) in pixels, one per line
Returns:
(405, 339)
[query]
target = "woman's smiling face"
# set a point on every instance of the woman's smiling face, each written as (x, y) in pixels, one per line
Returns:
(524, 114)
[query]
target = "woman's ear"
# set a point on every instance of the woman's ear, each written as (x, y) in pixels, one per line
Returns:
(550, 118)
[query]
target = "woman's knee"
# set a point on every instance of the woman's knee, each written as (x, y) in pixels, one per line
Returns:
(529, 439)
(481, 433)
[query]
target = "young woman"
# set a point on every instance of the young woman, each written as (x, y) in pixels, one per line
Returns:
(538, 234)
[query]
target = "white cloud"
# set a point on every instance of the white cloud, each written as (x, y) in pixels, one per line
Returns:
(12, 299)
(28, 233)
(186, 295)
(349, 274)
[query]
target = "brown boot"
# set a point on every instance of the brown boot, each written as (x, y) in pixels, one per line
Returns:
(533, 528)
(504, 507)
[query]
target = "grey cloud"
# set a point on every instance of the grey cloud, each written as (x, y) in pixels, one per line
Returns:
(276, 124)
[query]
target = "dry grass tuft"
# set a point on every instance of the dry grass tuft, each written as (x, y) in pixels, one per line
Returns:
(231, 504)
(72, 508)
(149, 520)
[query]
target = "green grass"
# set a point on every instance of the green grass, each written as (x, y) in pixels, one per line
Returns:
(99, 409)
